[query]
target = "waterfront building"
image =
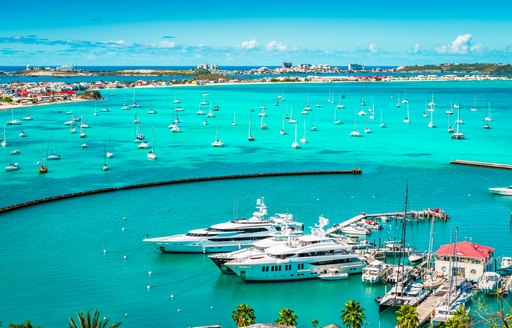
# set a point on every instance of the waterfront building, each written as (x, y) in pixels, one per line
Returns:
(467, 259)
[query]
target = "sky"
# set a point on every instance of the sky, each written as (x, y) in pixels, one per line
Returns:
(254, 33)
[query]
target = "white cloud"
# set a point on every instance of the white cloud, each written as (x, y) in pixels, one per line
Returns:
(251, 44)
(461, 45)
(166, 44)
(119, 42)
(417, 48)
(372, 47)
(274, 45)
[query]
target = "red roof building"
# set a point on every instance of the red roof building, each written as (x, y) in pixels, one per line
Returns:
(465, 258)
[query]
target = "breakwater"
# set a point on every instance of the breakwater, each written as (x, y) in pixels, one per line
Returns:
(482, 164)
(178, 181)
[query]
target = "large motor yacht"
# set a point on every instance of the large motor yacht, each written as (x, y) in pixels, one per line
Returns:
(228, 236)
(307, 257)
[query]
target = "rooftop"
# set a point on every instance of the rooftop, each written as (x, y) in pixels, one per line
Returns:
(465, 249)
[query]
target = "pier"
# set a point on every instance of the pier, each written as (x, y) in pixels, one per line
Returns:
(178, 181)
(425, 308)
(482, 164)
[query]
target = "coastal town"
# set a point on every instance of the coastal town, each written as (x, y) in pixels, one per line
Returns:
(18, 94)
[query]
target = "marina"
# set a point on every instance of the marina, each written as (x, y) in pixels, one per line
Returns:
(201, 293)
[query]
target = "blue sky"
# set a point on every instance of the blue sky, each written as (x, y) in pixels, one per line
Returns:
(171, 33)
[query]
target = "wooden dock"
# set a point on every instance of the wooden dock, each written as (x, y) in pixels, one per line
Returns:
(482, 164)
(426, 307)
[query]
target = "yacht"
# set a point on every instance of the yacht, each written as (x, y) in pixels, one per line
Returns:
(506, 191)
(290, 230)
(12, 167)
(53, 156)
(355, 229)
(222, 237)
(444, 311)
(374, 272)
(506, 263)
(489, 282)
(307, 257)
(403, 293)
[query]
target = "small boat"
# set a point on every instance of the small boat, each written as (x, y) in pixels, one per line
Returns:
(12, 167)
(374, 272)
(489, 282)
(105, 109)
(13, 121)
(505, 191)
(333, 274)
(84, 145)
(143, 145)
(506, 263)
(151, 154)
(217, 142)
(27, 118)
(105, 164)
(295, 144)
(415, 257)
(53, 156)
(15, 152)
(22, 134)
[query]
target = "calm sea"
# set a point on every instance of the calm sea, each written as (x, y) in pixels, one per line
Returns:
(52, 255)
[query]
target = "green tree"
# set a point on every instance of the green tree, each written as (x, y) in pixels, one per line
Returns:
(407, 317)
(314, 323)
(243, 315)
(460, 319)
(287, 317)
(85, 321)
(496, 319)
(352, 315)
(22, 325)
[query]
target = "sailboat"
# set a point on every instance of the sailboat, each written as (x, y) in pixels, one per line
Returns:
(151, 154)
(406, 119)
(405, 291)
(458, 135)
(425, 110)
(13, 121)
(53, 155)
(474, 108)
(355, 132)
(488, 118)
(11, 166)
(398, 102)
(367, 129)
(382, 123)
(335, 120)
(4, 141)
(109, 153)
(450, 129)
(105, 164)
(339, 106)
(43, 168)
(135, 105)
(125, 106)
(233, 123)
(292, 120)
(303, 139)
(217, 142)
(295, 144)
(263, 125)
(249, 135)
(282, 131)
(431, 123)
(431, 279)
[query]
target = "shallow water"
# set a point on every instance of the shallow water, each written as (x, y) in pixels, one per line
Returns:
(53, 253)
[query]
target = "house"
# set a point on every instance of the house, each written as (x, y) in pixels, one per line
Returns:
(466, 259)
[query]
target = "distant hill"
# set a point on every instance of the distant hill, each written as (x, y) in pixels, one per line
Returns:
(475, 68)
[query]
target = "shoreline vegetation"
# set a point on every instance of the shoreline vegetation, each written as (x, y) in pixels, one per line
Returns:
(27, 94)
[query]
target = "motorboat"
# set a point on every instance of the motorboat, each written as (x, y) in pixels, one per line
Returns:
(354, 229)
(506, 263)
(374, 272)
(307, 257)
(53, 156)
(224, 237)
(371, 225)
(444, 311)
(505, 191)
(416, 256)
(489, 282)
(333, 274)
(432, 280)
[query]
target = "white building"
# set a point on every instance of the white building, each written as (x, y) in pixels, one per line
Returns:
(466, 259)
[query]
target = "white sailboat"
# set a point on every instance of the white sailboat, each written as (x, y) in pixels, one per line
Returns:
(13, 121)
(355, 132)
(292, 120)
(125, 106)
(457, 135)
(217, 142)
(105, 164)
(4, 140)
(11, 166)
(282, 131)
(303, 139)
(488, 118)
(135, 105)
(335, 120)
(233, 123)
(109, 153)
(295, 144)
(382, 122)
(43, 168)
(406, 119)
(450, 129)
(474, 108)
(431, 123)
(249, 135)
(151, 154)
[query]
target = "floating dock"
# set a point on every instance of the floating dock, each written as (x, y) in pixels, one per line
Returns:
(482, 164)
(179, 181)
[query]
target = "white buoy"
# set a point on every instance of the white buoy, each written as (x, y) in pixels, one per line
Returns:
(148, 287)
(125, 257)
(172, 296)
(150, 273)
(104, 251)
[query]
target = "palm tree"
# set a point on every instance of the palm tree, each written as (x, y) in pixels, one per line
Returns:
(87, 322)
(460, 319)
(352, 315)
(22, 325)
(287, 318)
(243, 315)
(407, 317)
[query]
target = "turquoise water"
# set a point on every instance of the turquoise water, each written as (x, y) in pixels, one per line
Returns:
(52, 254)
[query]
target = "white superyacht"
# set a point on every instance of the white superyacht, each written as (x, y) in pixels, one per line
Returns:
(226, 236)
